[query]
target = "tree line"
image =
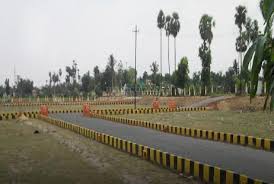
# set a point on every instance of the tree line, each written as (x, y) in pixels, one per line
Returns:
(115, 76)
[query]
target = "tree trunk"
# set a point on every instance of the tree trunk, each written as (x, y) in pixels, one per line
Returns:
(175, 54)
(161, 64)
(168, 55)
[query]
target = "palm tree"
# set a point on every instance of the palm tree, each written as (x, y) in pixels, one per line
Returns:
(168, 29)
(240, 21)
(160, 24)
(175, 28)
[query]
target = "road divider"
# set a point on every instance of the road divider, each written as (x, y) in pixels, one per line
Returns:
(146, 110)
(181, 165)
(244, 140)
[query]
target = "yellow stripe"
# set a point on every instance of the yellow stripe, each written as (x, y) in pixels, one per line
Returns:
(258, 142)
(178, 130)
(229, 177)
(222, 136)
(217, 175)
(119, 143)
(151, 152)
(171, 161)
(267, 143)
(192, 130)
(242, 139)
(243, 179)
(134, 148)
(187, 166)
(158, 156)
(258, 182)
(210, 134)
(235, 139)
(206, 173)
(216, 136)
(124, 145)
(140, 152)
(187, 131)
(228, 137)
(198, 132)
(179, 164)
(164, 159)
(250, 141)
(204, 134)
(196, 169)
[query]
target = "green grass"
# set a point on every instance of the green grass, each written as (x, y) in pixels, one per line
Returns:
(56, 155)
(38, 158)
(259, 124)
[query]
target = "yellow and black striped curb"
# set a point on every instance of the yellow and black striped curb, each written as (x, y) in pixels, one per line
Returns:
(128, 102)
(145, 110)
(14, 115)
(131, 110)
(200, 171)
(244, 140)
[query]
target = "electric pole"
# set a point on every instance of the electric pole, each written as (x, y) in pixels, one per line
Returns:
(135, 31)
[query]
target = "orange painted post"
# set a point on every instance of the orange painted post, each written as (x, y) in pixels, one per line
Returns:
(172, 104)
(86, 110)
(156, 104)
(44, 110)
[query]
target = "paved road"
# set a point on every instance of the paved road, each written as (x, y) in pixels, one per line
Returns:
(254, 163)
(207, 101)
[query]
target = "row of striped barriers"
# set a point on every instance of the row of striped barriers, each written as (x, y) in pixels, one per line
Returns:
(244, 140)
(200, 171)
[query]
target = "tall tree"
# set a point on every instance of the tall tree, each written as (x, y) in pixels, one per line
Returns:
(168, 32)
(261, 53)
(154, 67)
(86, 83)
(175, 28)
(7, 87)
(205, 27)
(60, 74)
(160, 24)
(97, 79)
(240, 21)
(182, 77)
(235, 67)
(24, 87)
(50, 79)
(111, 63)
(252, 30)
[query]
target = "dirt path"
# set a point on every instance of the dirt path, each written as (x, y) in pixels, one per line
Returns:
(206, 102)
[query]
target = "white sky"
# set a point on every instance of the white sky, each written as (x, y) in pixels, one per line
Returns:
(38, 36)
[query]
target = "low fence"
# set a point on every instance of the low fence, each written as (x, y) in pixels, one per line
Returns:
(123, 102)
(200, 171)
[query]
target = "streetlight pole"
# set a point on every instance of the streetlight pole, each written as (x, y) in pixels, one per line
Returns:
(135, 31)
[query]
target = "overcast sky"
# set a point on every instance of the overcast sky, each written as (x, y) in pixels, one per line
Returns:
(38, 36)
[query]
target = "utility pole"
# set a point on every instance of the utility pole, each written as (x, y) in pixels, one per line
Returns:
(135, 31)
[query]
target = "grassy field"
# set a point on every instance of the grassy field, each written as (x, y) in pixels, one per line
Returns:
(56, 155)
(259, 124)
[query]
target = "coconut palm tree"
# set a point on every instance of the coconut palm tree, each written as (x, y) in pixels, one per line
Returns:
(168, 29)
(240, 21)
(175, 28)
(160, 24)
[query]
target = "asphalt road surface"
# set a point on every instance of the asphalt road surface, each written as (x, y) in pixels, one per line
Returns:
(257, 164)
